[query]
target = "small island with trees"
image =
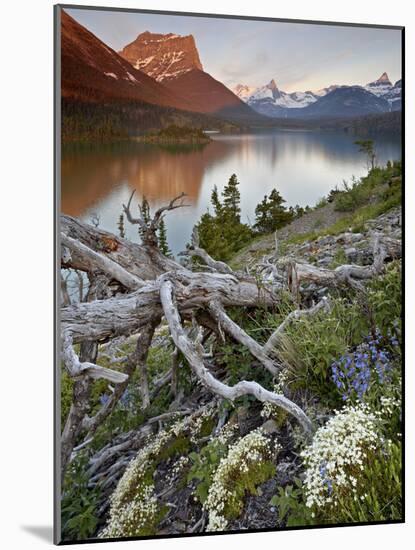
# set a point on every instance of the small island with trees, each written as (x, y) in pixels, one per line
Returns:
(176, 134)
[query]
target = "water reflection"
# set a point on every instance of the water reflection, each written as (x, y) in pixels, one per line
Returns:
(303, 165)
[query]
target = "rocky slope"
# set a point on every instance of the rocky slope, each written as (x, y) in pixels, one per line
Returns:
(353, 247)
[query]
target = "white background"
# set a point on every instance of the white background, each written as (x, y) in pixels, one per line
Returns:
(26, 289)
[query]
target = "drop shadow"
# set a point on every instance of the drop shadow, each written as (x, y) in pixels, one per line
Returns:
(42, 532)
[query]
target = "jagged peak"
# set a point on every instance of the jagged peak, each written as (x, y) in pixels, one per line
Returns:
(383, 80)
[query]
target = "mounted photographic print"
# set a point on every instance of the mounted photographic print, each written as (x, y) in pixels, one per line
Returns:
(229, 342)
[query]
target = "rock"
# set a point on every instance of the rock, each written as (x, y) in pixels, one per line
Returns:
(351, 254)
(325, 261)
(270, 427)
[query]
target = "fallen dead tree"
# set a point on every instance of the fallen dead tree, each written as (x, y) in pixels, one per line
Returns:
(142, 286)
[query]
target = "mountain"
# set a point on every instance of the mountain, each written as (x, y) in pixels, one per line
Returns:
(350, 101)
(269, 100)
(174, 61)
(346, 101)
(93, 72)
(383, 87)
(163, 56)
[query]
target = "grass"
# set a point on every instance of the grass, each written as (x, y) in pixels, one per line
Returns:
(366, 199)
(354, 222)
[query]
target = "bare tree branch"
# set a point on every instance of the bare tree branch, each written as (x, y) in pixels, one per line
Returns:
(273, 340)
(102, 263)
(77, 368)
(242, 337)
(148, 230)
(195, 250)
(208, 380)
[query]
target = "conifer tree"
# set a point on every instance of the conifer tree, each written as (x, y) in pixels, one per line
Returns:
(162, 239)
(121, 227)
(214, 199)
(232, 198)
(271, 213)
(145, 213)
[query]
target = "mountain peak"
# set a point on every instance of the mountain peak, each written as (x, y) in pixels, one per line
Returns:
(383, 80)
(163, 56)
(272, 85)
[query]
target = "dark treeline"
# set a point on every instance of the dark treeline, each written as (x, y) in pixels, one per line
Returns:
(103, 122)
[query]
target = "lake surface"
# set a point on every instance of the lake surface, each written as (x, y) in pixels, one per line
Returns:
(302, 165)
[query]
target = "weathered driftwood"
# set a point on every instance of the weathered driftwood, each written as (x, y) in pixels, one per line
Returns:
(238, 334)
(195, 360)
(194, 250)
(273, 340)
(138, 285)
(349, 274)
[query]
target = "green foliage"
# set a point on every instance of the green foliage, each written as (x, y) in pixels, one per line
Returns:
(121, 227)
(179, 445)
(385, 299)
(145, 214)
(361, 191)
(292, 510)
(162, 239)
(98, 121)
(321, 203)
(181, 132)
(379, 492)
(310, 345)
(232, 199)
(79, 502)
(271, 214)
(204, 465)
(367, 147)
(339, 258)
(244, 483)
(353, 196)
(66, 395)
(223, 234)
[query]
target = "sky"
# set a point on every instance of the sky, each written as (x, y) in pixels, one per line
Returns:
(297, 56)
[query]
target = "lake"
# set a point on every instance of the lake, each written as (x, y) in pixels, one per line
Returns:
(302, 165)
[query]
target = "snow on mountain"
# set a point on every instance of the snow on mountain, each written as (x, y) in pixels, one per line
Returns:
(275, 98)
(383, 87)
(243, 91)
(163, 56)
(272, 101)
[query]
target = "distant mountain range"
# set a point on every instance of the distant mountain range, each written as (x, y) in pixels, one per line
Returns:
(380, 96)
(163, 76)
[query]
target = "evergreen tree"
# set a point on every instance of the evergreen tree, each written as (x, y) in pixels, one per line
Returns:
(145, 214)
(162, 239)
(214, 199)
(271, 213)
(232, 198)
(223, 234)
(367, 147)
(121, 227)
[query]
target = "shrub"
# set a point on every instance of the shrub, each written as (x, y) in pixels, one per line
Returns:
(206, 462)
(134, 508)
(79, 502)
(360, 372)
(310, 345)
(353, 196)
(248, 464)
(352, 472)
(385, 299)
